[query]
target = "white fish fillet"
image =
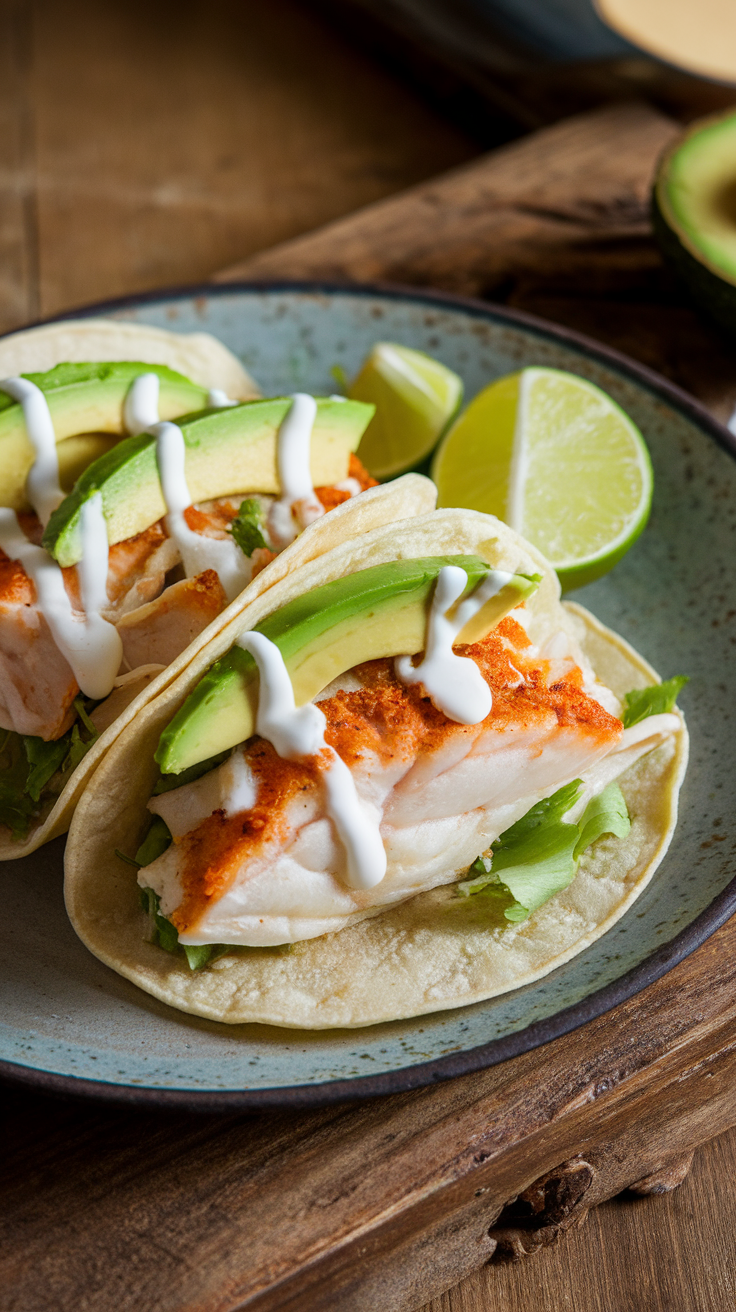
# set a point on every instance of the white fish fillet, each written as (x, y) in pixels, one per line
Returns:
(440, 804)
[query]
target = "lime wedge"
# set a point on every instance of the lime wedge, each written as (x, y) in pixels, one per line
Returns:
(415, 399)
(558, 460)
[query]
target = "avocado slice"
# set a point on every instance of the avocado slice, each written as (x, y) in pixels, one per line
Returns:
(694, 213)
(82, 398)
(380, 611)
(227, 451)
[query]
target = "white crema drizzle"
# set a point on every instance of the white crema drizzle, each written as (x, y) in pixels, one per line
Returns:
(453, 683)
(297, 506)
(140, 411)
(198, 552)
(42, 484)
(91, 645)
(219, 400)
(298, 731)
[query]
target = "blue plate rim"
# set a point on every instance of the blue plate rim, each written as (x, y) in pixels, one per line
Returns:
(451, 1065)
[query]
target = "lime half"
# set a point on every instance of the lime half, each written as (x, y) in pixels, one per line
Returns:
(415, 399)
(558, 460)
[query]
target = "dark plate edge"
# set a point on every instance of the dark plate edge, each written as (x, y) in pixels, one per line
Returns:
(497, 1050)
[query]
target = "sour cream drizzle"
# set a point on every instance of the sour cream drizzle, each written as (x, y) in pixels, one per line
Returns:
(91, 644)
(219, 400)
(140, 410)
(453, 683)
(298, 731)
(297, 506)
(198, 552)
(42, 484)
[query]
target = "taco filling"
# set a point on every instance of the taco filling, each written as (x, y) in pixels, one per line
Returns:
(482, 754)
(104, 587)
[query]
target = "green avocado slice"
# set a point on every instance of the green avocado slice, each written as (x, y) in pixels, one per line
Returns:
(83, 398)
(227, 451)
(694, 213)
(380, 611)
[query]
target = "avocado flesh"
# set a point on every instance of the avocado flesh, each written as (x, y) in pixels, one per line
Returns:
(694, 213)
(227, 452)
(82, 398)
(381, 611)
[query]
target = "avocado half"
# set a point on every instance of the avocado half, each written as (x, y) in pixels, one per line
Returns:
(378, 611)
(694, 213)
(226, 451)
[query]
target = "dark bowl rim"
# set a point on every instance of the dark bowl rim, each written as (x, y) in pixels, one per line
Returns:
(455, 1064)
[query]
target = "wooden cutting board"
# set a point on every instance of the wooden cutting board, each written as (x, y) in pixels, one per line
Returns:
(384, 1204)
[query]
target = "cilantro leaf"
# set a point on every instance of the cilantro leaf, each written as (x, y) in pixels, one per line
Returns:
(655, 700)
(246, 528)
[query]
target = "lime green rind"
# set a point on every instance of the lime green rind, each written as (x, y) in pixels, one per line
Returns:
(407, 416)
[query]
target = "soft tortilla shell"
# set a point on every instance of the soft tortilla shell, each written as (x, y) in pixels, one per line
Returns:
(374, 509)
(74, 341)
(432, 952)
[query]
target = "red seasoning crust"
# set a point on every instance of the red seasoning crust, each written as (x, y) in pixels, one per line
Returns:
(388, 719)
(332, 496)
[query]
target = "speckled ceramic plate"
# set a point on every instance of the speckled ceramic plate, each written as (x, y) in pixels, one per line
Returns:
(71, 1024)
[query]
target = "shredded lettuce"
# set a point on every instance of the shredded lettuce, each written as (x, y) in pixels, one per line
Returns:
(537, 857)
(155, 842)
(246, 529)
(164, 935)
(604, 814)
(31, 767)
(169, 781)
(655, 700)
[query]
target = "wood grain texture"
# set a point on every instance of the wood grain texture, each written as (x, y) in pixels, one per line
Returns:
(151, 144)
(662, 1254)
(18, 192)
(556, 224)
(145, 145)
(376, 1205)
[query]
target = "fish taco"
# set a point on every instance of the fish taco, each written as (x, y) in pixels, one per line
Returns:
(141, 506)
(406, 778)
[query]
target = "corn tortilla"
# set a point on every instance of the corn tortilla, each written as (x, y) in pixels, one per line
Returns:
(435, 950)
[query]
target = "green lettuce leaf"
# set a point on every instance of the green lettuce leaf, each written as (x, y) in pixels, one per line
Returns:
(537, 857)
(246, 529)
(164, 935)
(604, 814)
(169, 781)
(28, 765)
(16, 805)
(155, 842)
(655, 700)
(44, 759)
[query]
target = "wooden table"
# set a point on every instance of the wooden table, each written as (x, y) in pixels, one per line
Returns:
(152, 144)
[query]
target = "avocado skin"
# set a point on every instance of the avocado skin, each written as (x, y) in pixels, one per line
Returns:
(221, 711)
(82, 398)
(128, 478)
(715, 295)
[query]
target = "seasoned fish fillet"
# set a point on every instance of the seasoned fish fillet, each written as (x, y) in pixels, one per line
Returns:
(37, 686)
(255, 859)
